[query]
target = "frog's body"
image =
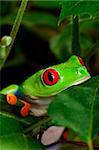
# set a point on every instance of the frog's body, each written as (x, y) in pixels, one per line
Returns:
(48, 82)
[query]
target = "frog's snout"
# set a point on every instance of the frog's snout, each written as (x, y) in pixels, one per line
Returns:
(82, 71)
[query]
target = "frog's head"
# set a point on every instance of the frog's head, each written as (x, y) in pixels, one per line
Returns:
(50, 81)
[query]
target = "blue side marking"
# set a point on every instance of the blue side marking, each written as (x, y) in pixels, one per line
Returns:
(19, 94)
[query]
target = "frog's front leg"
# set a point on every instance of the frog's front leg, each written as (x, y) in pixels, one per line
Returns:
(18, 106)
(23, 108)
(37, 107)
(12, 89)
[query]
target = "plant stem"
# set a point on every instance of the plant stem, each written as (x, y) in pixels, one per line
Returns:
(82, 144)
(35, 127)
(15, 28)
(90, 145)
(75, 36)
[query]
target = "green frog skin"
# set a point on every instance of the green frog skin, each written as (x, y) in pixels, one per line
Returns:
(48, 82)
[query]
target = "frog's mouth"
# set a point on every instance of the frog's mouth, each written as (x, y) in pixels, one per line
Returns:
(39, 100)
(82, 80)
(46, 100)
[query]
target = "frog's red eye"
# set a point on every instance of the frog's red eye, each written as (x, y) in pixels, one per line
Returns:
(81, 61)
(50, 77)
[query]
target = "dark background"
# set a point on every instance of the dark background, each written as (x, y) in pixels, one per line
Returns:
(33, 50)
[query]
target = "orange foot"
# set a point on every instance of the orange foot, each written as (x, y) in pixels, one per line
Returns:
(11, 99)
(25, 109)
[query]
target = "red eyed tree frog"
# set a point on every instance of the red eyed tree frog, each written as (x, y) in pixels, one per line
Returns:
(36, 90)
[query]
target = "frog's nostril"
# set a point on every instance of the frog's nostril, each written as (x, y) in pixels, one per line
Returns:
(82, 71)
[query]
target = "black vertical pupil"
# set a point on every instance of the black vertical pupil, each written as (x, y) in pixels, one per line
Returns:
(50, 76)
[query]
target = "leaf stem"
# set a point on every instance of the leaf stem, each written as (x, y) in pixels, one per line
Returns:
(75, 35)
(35, 127)
(15, 28)
(90, 145)
(82, 144)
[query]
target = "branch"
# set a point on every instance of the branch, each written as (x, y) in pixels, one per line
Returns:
(15, 28)
(37, 126)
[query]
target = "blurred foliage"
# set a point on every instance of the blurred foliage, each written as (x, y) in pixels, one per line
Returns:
(46, 4)
(39, 25)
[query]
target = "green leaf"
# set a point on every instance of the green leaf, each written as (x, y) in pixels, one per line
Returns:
(6, 7)
(9, 125)
(8, 115)
(11, 131)
(40, 18)
(78, 7)
(78, 109)
(19, 141)
(46, 4)
(30, 19)
(60, 47)
(85, 42)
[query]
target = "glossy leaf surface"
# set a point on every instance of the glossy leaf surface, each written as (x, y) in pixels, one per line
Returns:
(12, 130)
(78, 109)
(19, 141)
(78, 7)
